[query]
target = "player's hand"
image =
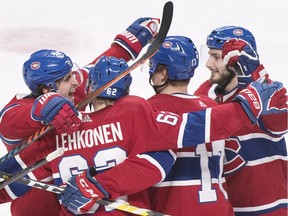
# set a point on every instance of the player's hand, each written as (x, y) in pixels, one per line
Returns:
(273, 121)
(262, 99)
(82, 192)
(137, 35)
(244, 60)
(57, 110)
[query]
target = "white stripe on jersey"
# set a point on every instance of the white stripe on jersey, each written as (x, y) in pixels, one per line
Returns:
(9, 192)
(262, 207)
(186, 182)
(207, 124)
(155, 162)
(266, 160)
(181, 131)
(259, 135)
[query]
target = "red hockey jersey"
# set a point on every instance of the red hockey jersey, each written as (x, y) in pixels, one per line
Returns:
(256, 166)
(195, 185)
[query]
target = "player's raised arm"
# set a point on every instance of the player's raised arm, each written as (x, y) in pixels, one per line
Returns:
(129, 43)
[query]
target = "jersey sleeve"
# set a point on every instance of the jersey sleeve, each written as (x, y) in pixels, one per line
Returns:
(204, 126)
(116, 51)
(155, 130)
(273, 124)
(213, 124)
(148, 169)
(203, 89)
(24, 159)
(16, 122)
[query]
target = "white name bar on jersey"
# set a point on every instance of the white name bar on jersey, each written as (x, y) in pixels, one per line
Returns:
(100, 135)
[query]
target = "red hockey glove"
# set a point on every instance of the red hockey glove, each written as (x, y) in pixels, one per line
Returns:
(137, 35)
(57, 110)
(256, 99)
(240, 56)
(82, 191)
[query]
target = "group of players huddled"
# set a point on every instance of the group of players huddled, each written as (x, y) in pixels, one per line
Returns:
(220, 151)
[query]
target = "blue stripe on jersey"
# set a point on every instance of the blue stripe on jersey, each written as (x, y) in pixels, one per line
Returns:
(189, 168)
(13, 167)
(57, 181)
(10, 141)
(253, 149)
(194, 132)
(7, 108)
(19, 189)
(164, 158)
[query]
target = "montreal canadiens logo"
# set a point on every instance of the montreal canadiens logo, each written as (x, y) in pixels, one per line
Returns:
(35, 65)
(153, 27)
(167, 45)
(238, 32)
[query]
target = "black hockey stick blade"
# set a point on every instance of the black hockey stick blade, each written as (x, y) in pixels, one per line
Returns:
(164, 28)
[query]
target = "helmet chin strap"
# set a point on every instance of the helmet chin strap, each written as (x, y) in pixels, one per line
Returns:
(156, 87)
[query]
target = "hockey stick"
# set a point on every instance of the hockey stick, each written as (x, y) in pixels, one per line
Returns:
(60, 190)
(108, 203)
(10, 178)
(164, 28)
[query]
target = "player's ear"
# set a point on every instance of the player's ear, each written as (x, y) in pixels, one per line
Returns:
(164, 74)
(45, 90)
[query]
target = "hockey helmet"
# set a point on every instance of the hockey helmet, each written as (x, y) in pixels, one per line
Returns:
(179, 55)
(219, 36)
(45, 67)
(106, 69)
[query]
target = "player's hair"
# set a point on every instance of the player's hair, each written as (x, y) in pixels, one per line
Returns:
(45, 67)
(179, 55)
(219, 36)
(106, 69)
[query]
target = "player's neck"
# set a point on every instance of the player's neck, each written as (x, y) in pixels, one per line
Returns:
(101, 104)
(231, 85)
(172, 89)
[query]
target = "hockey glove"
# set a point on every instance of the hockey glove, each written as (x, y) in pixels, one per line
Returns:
(272, 122)
(57, 110)
(244, 60)
(256, 99)
(82, 192)
(137, 35)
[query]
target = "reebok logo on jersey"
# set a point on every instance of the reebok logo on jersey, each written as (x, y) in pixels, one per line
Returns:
(86, 119)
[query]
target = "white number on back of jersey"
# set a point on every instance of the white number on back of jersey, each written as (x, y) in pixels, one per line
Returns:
(103, 159)
(168, 118)
(207, 193)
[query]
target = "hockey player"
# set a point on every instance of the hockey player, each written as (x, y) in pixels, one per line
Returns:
(126, 127)
(49, 72)
(195, 185)
(256, 167)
